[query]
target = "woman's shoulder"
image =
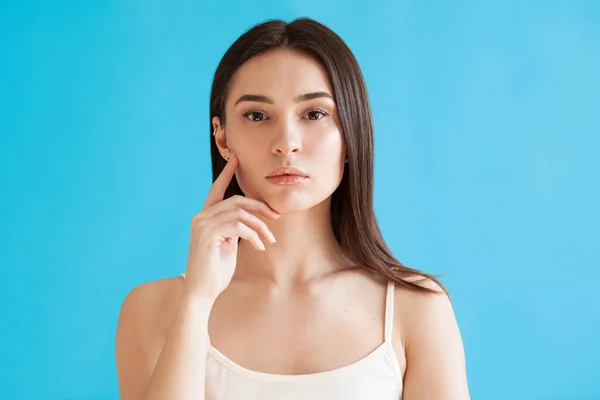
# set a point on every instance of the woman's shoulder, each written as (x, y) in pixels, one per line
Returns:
(159, 292)
(431, 339)
(410, 305)
(153, 303)
(144, 318)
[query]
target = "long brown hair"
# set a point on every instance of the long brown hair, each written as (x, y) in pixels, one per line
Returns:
(352, 215)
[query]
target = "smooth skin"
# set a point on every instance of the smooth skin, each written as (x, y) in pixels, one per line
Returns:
(300, 296)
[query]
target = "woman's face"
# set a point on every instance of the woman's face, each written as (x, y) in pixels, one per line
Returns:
(283, 130)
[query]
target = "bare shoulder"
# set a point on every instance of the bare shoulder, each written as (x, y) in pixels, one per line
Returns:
(432, 341)
(144, 319)
(415, 311)
(424, 308)
(151, 303)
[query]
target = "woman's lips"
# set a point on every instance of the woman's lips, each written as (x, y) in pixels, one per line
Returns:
(286, 180)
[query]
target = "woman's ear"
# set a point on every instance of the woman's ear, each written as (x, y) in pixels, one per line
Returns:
(220, 138)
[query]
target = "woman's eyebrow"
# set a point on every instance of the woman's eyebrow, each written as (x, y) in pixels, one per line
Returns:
(298, 99)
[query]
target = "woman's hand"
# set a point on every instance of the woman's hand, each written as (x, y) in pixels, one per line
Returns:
(215, 232)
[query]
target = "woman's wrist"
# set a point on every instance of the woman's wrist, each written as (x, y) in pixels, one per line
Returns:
(197, 298)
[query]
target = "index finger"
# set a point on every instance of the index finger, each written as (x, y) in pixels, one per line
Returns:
(218, 188)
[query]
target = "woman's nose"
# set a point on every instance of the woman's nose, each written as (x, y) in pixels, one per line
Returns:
(288, 140)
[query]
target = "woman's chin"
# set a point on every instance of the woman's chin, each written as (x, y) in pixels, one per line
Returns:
(286, 208)
(286, 202)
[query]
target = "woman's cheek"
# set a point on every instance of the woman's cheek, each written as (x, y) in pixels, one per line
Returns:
(244, 181)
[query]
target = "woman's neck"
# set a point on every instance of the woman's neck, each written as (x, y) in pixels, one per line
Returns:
(306, 248)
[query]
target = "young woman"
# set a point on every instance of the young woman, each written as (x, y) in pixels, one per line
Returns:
(311, 304)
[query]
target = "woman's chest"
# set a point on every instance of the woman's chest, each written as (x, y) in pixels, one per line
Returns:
(297, 334)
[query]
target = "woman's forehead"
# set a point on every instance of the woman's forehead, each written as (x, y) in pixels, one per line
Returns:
(280, 75)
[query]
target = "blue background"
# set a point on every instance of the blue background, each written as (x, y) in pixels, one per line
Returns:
(487, 135)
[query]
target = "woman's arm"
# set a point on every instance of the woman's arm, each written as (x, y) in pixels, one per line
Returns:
(151, 368)
(435, 358)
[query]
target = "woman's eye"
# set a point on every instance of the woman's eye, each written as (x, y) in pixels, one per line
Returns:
(257, 116)
(255, 113)
(313, 112)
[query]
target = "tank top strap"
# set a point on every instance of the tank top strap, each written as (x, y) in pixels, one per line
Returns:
(389, 312)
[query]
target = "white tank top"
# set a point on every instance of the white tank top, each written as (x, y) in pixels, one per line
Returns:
(375, 376)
